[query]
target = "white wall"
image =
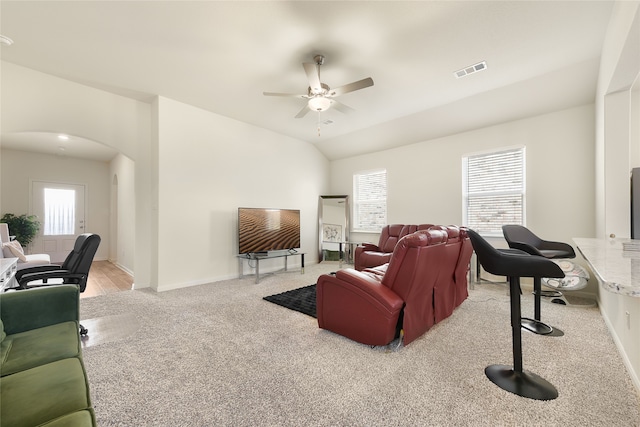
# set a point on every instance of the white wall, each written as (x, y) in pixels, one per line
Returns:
(19, 168)
(634, 116)
(146, 190)
(123, 209)
(424, 180)
(32, 100)
(619, 68)
(208, 166)
(190, 171)
(616, 135)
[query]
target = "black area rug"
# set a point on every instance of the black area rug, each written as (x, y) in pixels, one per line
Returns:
(301, 299)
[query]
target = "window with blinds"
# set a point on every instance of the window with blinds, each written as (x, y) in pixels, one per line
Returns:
(370, 200)
(494, 190)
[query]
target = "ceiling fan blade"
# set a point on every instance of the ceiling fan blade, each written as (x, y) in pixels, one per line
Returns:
(360, 84)
(341, 107)
(290, 95)
(312, 76)
(303, 112)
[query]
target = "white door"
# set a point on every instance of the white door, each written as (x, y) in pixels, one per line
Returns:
(60, 210)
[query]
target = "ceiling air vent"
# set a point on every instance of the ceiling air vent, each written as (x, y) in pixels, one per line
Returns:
(480, 66)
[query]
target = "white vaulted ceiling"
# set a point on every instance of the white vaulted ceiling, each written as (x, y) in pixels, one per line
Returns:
(220, 56)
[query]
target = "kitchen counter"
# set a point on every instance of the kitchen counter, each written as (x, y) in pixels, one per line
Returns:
(617, 269)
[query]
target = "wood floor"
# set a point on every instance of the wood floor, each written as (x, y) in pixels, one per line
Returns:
(105, 278)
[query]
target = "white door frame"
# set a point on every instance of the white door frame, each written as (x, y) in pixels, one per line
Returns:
(64, 244)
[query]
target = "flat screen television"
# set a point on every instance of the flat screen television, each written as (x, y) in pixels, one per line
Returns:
(262, 230)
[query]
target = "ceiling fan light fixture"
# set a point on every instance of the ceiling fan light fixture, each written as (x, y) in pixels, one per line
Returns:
(319, 95)
(319, 103)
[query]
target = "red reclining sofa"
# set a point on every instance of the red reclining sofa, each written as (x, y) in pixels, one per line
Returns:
(423, 282)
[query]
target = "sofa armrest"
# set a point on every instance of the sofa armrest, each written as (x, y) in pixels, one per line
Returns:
(358, 306)
(379, 271)
(34, 260)
(368, 255)
(369, 247)
(370, 284)
(35, 308)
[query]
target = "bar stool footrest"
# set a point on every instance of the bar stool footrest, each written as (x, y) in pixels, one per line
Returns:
(535, 326)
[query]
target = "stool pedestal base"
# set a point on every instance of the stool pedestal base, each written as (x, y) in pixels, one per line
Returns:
(525, 384)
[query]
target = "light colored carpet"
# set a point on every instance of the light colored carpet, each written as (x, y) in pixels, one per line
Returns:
(219, 354)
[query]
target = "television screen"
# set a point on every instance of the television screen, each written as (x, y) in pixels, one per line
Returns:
(263, 230)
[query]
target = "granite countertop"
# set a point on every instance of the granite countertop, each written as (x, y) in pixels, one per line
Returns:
(617, 268)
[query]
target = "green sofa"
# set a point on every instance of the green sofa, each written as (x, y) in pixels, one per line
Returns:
(42, 377)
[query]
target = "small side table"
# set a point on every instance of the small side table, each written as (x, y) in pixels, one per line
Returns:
(342, 256)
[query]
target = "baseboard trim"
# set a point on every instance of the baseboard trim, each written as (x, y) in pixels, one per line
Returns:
(271, 270)
(173, 286)
(123, 268)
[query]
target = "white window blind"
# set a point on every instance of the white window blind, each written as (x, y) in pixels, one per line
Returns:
(494, 190)
(370, 200)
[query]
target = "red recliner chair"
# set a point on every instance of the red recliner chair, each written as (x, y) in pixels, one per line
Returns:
(368, 255)
(371, 308)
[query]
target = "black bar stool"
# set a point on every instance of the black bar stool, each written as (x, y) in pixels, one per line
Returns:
(515, 264)
(519, 237)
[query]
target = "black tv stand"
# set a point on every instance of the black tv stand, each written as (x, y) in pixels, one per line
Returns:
(257, 256)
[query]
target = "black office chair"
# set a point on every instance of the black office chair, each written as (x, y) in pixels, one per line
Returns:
(74, 270)
(519, 237)
(515, 264)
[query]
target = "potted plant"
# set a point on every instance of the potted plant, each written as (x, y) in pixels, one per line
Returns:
(24, 227)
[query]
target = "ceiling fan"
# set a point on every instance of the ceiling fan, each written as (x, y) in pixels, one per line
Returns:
(319, 96)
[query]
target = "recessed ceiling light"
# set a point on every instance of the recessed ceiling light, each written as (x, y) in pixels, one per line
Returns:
(480, 66)
(63, 137)
(5, 40)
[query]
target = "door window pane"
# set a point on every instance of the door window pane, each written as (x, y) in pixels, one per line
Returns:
(59, 212)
